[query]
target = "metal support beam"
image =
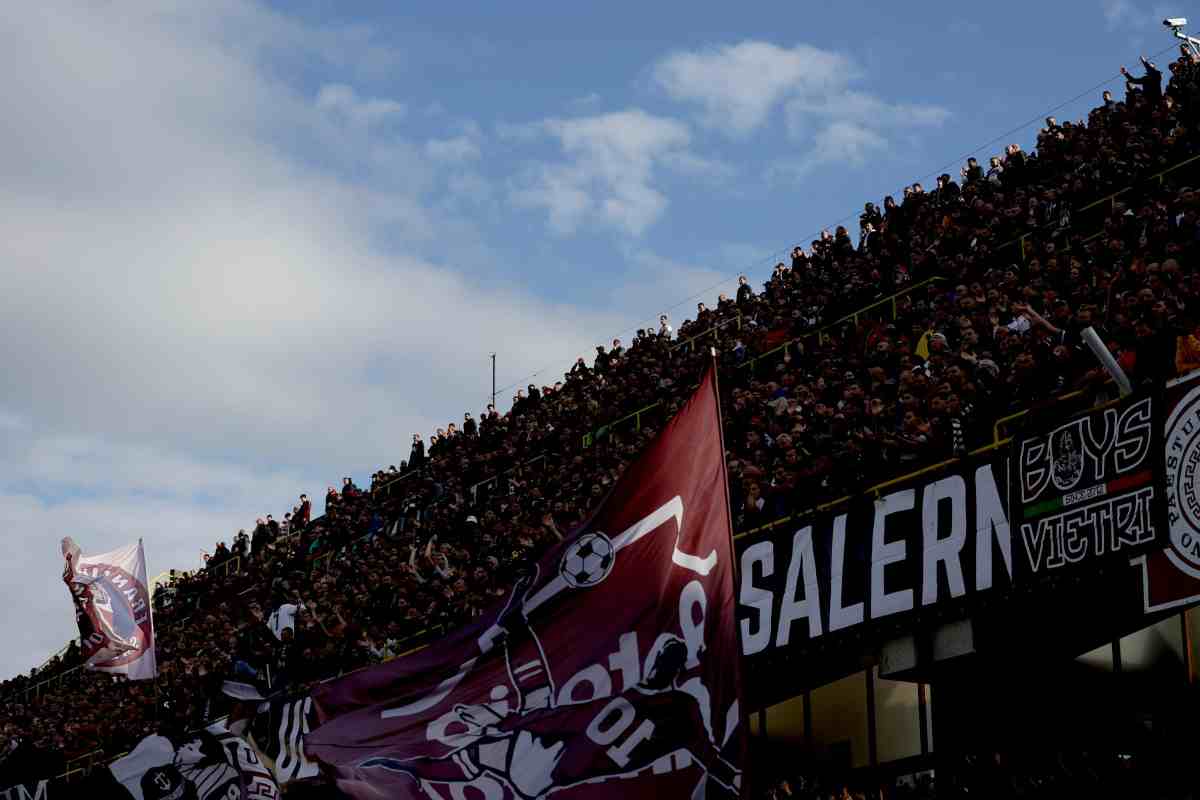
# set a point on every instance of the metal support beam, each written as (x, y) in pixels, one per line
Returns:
(872, 732)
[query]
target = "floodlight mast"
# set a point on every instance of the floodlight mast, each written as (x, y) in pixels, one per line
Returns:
(1176, 25)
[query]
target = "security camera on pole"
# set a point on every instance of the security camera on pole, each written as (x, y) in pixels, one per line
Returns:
(1176, 26)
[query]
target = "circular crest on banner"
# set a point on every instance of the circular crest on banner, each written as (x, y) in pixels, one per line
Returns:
(115, 605)
(1183, 469)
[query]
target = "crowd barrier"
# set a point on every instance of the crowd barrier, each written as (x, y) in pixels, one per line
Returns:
(1000, 437)
(590, 438)
(385, 489)
(886, 305)
(709, 333)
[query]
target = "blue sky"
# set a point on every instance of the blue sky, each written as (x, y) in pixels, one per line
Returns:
(248, 248)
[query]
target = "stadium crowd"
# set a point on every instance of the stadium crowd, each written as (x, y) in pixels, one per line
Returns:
(994, 275)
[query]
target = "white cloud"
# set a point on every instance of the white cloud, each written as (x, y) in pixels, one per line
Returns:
(1118, 13)
(1134, 18)
(341, 100)
(688, 163)
(199, 318)
(738, 87)
(453, 150)
(841, 142)
(609, 169)
(588, 100)
(682, 281)
(863, 109)
(467, 146)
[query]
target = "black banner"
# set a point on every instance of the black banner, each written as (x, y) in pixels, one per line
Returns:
(99, 785)
(1090, 488)
(927, 543)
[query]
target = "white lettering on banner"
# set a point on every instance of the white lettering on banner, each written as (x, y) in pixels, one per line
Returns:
(1114, 524)
(620, 754)
(605, 734)
(885, 603)
(793, 608)
(626, 661)
(756, 631)
(1035, 467)
(1135, 435)
(840, 617)
(1062, 455)
(1041, 545)
(691, 598)
(1096, 448)
(40, 792)
(773, 599)
(990, 522)
(595, 676)
(945, 551)
(1090, 493)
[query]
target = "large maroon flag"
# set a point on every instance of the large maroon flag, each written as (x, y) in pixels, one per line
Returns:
(612, 668)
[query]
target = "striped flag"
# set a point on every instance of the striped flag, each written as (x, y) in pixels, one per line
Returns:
(277, 733)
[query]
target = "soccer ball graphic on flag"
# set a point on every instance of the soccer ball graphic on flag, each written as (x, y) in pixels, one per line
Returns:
(587, 560)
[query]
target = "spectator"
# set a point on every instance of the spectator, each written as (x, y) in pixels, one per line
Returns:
(1150, 83)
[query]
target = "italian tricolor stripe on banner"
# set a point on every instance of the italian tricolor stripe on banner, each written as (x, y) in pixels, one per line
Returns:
(1116, 485)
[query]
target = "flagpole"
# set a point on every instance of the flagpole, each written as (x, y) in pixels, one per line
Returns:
(724, 470)
(743, 711)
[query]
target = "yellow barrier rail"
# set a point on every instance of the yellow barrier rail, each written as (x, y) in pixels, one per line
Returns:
(86, 762)
(998, 440)
(853, 317)
(35, 690)
(1110, 199)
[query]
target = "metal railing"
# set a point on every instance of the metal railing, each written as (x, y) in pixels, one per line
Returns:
(386, 488)
(711, 332)
(590, 438)
(35, 690)
(228, 566)
(474, 488)
(1000, 438)
(1094, 213)
(822, 333)
(81, 765)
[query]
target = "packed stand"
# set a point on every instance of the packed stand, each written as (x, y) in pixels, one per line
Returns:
(809, 417)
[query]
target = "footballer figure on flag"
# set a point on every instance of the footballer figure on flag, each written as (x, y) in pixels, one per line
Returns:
(536, 748)
(614, 661)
